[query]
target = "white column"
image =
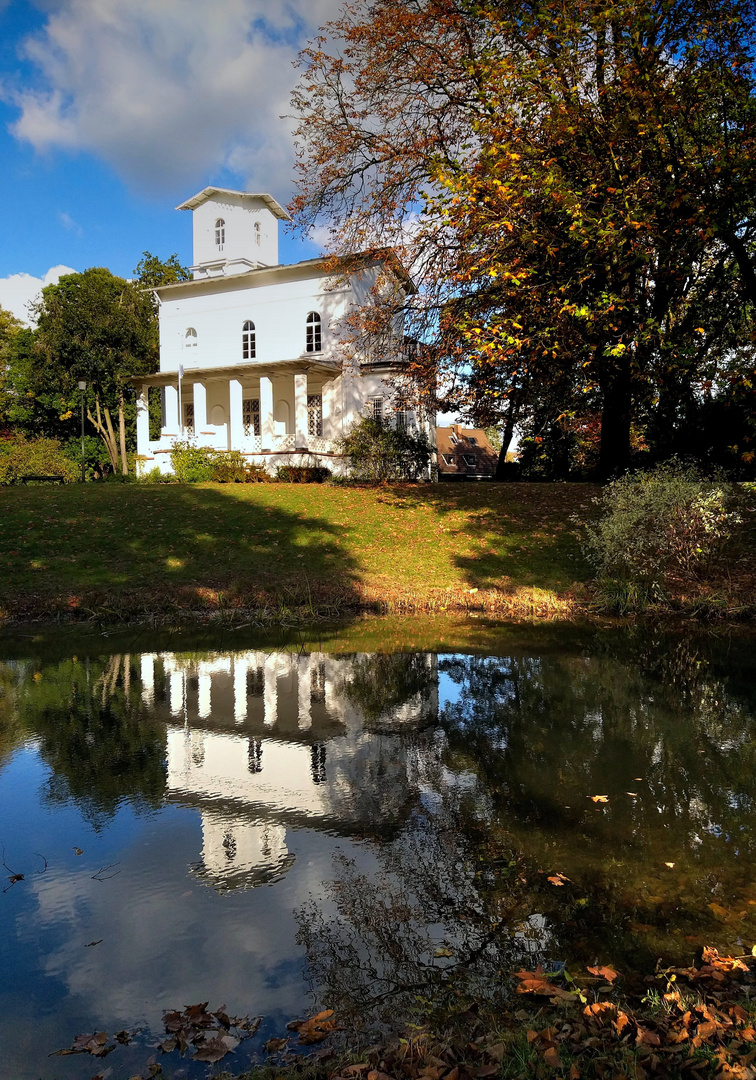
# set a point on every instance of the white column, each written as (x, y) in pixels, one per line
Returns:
(200, 407)
(143, 421)
(329, 431)
(300, 409)
(235, 415)
(240, 690)
(270, 692)
(204, 687)
(266, 412)
(171, 410)
(147, 668)
(176, 693)
(304, 691)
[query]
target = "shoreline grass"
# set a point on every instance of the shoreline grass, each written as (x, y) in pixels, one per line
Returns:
(298, 553)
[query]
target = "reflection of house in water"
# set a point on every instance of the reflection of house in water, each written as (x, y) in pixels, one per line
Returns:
(259, 742)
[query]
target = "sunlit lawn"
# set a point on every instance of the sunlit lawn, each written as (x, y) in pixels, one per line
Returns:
(62, 540)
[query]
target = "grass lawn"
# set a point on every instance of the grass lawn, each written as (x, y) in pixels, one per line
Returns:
(136, 549)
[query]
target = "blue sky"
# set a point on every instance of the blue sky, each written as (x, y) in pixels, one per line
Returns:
(114, 111)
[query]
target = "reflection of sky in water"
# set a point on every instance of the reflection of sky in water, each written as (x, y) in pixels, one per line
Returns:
(219, 787)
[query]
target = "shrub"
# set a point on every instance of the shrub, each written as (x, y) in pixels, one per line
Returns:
(656, 525)
(155, 476)
(96, 459)
(20, 456)
(378, 451)
(233, 468)
(192, 464)
(302, 474)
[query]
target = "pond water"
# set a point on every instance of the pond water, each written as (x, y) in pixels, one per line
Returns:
(278, 826)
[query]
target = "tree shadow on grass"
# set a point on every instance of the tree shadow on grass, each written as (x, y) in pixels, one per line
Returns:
(140, 548)
(510, 536)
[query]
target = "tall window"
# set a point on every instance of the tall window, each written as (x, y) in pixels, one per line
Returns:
(251, 416)
(189, 416)
(220, 233)
(248, 340)
(257, 233)
(190, 337)
(314, 414)
(314, 337)
(376, 407)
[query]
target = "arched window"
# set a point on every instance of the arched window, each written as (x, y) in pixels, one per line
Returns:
(190, 337)
(314, 338)
(220, 233)
(248, 340)
(257, 233)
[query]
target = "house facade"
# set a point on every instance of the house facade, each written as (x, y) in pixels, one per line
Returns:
(251, 355)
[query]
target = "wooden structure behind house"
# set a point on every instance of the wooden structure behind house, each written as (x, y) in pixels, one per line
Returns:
(464, 454)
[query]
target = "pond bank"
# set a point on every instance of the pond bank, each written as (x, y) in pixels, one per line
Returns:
(297, 553)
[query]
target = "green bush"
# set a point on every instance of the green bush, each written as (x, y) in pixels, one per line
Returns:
(96, 459)
(20, 456)
(232, 467)
(376, 450)
(302, 474)
(659, 525)
(192, 464)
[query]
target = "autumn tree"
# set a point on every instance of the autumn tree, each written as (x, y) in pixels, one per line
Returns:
(99, 328)
(572, 187)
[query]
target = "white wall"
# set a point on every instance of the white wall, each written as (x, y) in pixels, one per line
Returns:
(240, 216)
(278, 309)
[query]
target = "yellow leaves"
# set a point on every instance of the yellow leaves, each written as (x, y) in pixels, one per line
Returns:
(598, 798)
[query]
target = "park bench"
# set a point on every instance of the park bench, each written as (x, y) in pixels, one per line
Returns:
(36, 478)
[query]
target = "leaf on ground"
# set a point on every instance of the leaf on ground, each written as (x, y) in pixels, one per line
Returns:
(558, 879)
(533, 982)
(604, 973)
(551, 1057)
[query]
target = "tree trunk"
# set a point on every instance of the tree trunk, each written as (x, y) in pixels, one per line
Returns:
(614, 455)
(122, 435)
(507, 434)
(107, 437)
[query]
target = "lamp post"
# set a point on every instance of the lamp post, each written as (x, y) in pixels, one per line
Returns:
(82, 388)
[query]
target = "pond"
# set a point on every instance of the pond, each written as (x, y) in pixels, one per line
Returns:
(278, 826)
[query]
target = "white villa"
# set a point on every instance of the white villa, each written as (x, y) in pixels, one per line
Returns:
(249, 348)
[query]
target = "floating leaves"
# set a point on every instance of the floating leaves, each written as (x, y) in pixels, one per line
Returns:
(558, 879)
(96, 1045)
(599, 798)
(315, 1029)
(208, 1032)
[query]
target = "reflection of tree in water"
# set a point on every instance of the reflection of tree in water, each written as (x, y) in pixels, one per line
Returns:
(380, 684)
(506, 803)
(417, 927)
(658, 720)
(95, 735)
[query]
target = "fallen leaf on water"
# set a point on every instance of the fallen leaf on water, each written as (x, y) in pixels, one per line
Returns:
(272, 1046)
(89, 944)
(598, 798)
(78, 851)
(316, 1028)
(632, 794)
(443, 952)
(558, 879)
(15, 877)
(533, 982)
(212, 1050)
(669, 864)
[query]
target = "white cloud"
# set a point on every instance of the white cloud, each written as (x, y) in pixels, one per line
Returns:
(68, 223)
(18, 291)
(169, 92)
